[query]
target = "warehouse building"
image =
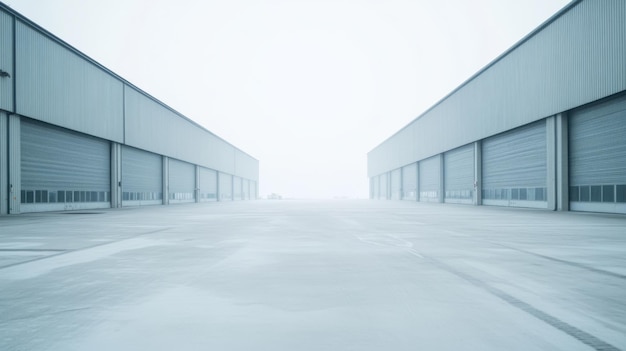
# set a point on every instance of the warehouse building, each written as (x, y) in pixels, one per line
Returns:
(74, 135)
(542, 126)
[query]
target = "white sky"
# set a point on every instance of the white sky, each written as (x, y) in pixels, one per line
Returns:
(307, 87)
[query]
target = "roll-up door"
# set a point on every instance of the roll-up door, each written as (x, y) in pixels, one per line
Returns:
(63, 170)
(459, 175)
(409, 182)
(246, 189)
(396, 184)
(376, 187)
(208, 184)
(142, 177)
(514, 167)
(430, 179)
(237, 185)
(384, 186)
(182, 181)
(597, 158)
(226, 186)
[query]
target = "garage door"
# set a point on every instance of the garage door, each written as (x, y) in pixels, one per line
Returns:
(514, 167)
(246, 189)
(225, 186)
(63, 170)
(237, 188)
(208, 184)
(597, 158)
(384, 186)
(396, 184)
(409, 182)
(182, 181)
(459, 175)
(142, 177)
(429, 179)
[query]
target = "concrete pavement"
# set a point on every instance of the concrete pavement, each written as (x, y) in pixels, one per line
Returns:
(313, 275)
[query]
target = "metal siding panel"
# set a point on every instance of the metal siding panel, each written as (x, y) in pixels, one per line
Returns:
(57, 86)
(208, 184)
(182, 181)
(576, 59)
(4, 163)
(409, 182)
(597, 150)
(6, 61)
(55, 162)
(152, 126)
(142, 176)
(459, 173)
(429, 178)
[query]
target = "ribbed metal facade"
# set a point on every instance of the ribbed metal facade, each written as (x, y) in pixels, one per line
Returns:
(6, 62)
(44, 79)
(57, 86)
(576, 58)
(182, 181)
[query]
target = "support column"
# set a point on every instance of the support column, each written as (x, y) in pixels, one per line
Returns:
(478, 173)
(4, 163)
(116, 175)
(562, 162)
(417, 185)
(551, 141)
(15, 170)
(197, 191)
(442, 178)
(166, 180)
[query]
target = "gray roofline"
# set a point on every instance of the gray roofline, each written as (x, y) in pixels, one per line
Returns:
(37, 27)
(546, 23)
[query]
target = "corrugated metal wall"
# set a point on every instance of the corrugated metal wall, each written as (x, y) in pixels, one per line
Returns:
(6, 61)
(576, 59)
(57, 86)
(152, 126)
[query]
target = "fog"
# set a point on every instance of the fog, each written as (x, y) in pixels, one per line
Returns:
(306, 87)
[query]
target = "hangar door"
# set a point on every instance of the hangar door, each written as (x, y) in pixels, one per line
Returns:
(597, 158)
(430, 179)
(246, 189)
(237, 188)
(142, 177)
(515, 167)
(409, 182)
(208, 184)
(253, 190)
(225, 186)
(383, 186)
(396, 184)
(182, 181)
(63, 170)
(459, 175)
